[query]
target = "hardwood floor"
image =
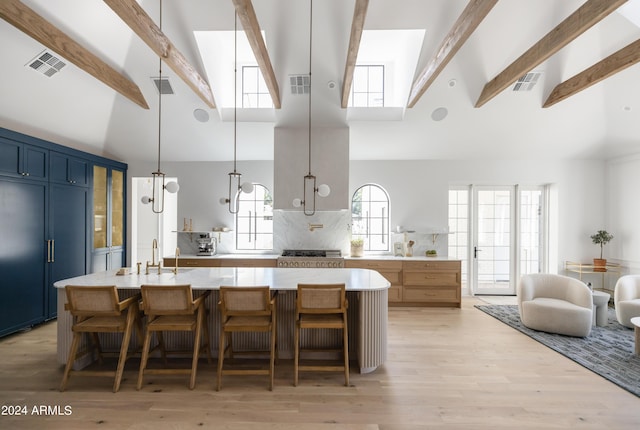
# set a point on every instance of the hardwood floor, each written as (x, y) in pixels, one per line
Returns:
(447, 369)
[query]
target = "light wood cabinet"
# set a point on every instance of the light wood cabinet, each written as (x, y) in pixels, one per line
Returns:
(436, 283)
(220, 262)
(417, 282)
(390, 269)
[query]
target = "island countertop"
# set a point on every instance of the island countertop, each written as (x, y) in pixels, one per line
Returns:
(214, 277)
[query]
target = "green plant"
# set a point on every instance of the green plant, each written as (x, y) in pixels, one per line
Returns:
(602, 237)
(431, 252)
(357, 242)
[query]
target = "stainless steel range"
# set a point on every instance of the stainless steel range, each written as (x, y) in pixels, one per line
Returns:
(311, 258)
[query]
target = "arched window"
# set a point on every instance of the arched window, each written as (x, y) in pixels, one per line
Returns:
(254, 220)
(370, 217)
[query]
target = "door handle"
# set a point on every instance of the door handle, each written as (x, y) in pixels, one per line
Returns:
(475, 251)
(48, 251)
(53, 251)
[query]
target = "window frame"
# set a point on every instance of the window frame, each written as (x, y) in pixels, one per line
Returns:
(368, 92)
(253, 231)
(364, 222)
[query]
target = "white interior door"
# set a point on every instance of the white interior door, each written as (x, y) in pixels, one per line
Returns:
(493, 252)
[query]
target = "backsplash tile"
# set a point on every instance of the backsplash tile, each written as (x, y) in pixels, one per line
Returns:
(295, 230)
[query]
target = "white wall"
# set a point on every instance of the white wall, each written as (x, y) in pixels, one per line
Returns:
(623, 211)
(419, 192)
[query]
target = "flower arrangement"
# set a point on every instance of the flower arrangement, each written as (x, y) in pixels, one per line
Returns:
(357, 247)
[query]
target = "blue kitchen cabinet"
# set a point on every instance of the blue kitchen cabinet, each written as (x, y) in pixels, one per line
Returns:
(47, 224)
(68, 235)
(23, 254)
(19, 159)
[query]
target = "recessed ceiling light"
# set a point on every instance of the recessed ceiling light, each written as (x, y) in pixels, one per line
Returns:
(452, 82)
(331, 85)
(627, 108)
(201, 115)
(439, 114)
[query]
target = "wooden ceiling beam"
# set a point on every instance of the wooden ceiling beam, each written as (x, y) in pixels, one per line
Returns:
(586, 16)
(38, 28)
(251, 28)
(137, 19)
(471, 17)
(614, 63)
(357, 27)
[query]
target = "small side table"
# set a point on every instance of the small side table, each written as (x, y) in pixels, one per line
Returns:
(600, 308)
(636, 324)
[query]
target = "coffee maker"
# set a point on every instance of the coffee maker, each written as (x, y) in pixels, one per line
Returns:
(207, 244)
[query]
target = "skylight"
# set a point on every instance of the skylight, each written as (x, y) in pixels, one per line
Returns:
(217, 52)
(398, 52)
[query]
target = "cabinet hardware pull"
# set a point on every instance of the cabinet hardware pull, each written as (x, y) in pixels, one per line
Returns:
(48, 251)
(53, 251)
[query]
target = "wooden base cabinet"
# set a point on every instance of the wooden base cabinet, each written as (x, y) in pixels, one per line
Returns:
(434, 283)
(417, 282)
(390, 269)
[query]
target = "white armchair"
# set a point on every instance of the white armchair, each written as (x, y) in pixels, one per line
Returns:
(626, 299)
(555, 304)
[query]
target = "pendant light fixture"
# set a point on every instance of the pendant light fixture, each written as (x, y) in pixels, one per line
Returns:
(158, 177)
(309, 185)
(235, 178)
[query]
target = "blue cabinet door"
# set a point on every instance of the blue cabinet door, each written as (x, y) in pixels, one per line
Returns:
(23, 253)
(66, 169)
(68, 231)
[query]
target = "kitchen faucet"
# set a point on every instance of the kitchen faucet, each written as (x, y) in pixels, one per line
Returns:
(154, 248)
(175, 269)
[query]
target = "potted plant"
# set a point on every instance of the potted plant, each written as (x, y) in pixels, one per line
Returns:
(602, 237)
(431, 253)
(357, 245)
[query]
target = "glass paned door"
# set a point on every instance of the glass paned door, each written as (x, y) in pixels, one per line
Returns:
(493, 241)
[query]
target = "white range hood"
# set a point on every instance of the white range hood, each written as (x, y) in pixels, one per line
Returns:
(329, 163)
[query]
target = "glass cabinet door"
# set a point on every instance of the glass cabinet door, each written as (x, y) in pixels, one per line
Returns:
(99, 207)
(108, 218)
(117, 208)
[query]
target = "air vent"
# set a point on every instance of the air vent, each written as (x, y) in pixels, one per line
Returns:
(299, 84)
(163, 86)
(527, 82)
(46, 63)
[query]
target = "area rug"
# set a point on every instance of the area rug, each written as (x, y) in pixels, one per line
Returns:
(607, 351)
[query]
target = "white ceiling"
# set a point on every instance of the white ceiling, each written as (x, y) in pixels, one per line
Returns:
(75, 109)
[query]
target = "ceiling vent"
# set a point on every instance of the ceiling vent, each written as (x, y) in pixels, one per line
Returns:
(527, 82)
(300, 84)
(46, 63)
(163, 86)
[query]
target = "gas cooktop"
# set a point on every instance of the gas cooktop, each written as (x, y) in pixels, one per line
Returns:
(314, 253)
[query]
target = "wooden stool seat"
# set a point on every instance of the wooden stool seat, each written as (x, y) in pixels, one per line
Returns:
(97, 309)
(173, 308)
(321, 306)
(246, 309)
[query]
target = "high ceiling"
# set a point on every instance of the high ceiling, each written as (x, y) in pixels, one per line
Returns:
(76, 109)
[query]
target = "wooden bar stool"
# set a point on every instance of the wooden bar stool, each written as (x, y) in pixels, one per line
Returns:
(246, 309)
(321, 306)
(173, 308)
(97, 309)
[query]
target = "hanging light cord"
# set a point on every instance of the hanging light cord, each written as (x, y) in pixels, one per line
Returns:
(160, 94)
(235, 87)
(310, 45)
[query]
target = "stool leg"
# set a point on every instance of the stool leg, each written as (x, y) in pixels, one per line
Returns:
(145, 357)
(70, 360)
(296, 342)
(220, 358)
(345, 341)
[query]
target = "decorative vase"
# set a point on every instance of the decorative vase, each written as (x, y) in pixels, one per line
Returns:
(356, 250)
(599, 265)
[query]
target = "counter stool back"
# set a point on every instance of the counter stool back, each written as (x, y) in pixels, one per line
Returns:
(98, 309)
(173, 308)
(321, 306)
(246, 309)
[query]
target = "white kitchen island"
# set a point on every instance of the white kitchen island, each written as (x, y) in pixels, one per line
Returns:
(366, 291)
